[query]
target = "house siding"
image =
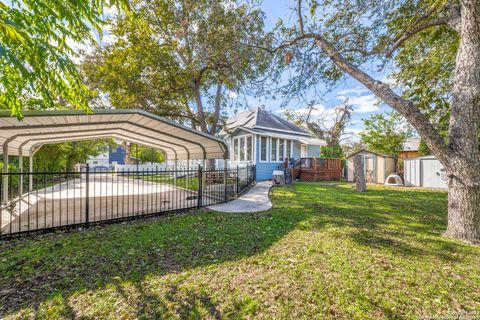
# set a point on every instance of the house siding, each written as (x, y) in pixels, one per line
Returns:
(313, 151)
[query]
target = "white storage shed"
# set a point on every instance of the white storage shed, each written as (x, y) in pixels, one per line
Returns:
(425, 172)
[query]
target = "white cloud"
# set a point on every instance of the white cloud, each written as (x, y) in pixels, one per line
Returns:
(362, 104)
(355, 91)
(232, 95)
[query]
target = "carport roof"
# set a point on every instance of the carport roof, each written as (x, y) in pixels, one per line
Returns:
(136, 126)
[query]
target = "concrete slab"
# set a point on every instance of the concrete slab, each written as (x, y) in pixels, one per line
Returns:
(255, 200)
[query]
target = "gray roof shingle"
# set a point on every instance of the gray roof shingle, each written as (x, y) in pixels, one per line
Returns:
(259, 117)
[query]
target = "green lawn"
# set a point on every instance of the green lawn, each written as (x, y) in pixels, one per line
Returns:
(322, 252)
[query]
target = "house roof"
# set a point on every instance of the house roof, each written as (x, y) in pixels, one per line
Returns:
(411, 144)
(262, 119)
(365, 150)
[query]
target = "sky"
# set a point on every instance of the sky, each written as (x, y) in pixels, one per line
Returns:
(362, 100)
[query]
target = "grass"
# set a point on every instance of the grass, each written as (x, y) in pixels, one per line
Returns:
(322, 252)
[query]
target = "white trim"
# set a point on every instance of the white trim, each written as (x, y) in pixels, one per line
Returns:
(267, 151)
(244, 136)
(280, 130)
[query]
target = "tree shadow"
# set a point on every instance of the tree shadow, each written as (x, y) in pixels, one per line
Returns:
(400, 221)
(388, 220)
(36, 269)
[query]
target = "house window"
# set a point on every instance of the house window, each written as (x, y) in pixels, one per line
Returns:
(281, 150)
(263, 149)
(242, 149)
(289, 149)
(235, 149)
(274, 155)
(249, 148)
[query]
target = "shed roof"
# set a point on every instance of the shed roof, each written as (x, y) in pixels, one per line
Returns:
(136, 126)
(368, 151)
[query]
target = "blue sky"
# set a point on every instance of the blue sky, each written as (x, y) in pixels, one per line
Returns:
(362, 100)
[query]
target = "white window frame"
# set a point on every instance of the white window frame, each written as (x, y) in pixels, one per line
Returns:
(276, 151)
(267, 151)
(244, 136)
(281, 158)
(290, 144)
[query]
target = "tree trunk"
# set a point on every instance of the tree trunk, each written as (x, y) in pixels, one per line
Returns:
(128, 151)
(464, 210)
(361, 186)
(464, 171)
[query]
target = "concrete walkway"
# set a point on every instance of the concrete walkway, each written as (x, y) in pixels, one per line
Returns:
(256, 199)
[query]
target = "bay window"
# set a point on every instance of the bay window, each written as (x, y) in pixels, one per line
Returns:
(274, 155)
(235, 149)
(243, 149)
(263, 149)
(281, 150)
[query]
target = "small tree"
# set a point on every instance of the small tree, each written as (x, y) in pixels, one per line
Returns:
(386, 134)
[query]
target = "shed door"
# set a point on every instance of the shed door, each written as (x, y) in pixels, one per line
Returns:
(432, 174)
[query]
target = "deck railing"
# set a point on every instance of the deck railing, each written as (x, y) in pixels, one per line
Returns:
(311, 169)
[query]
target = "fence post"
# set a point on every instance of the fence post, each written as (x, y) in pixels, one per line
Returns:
(87, 196)
(200, 187)
(238, 181)
(225, 180)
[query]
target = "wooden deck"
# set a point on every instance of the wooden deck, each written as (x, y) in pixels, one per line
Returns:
(317, 169)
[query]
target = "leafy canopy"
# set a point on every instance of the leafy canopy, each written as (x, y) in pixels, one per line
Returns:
(36, 52)
(170, 57)
(385, 133)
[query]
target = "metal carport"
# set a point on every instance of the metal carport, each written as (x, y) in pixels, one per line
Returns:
(24, 137)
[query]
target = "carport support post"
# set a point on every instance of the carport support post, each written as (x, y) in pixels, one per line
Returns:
(20, 168)
(175, 172)
(87, 196)
(30, 172)
(188, 171)
(5, 171)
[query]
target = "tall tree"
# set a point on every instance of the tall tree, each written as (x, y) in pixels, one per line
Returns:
(329, 125)
(386, 134)
(346, 41)
(180, 59)
(36, 53)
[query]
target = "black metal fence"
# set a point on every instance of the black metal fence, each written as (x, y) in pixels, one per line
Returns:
(41, 201)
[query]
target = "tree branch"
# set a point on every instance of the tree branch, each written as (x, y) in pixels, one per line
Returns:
(398, 41)
(300, 18)
(216, 113)
(383, 92)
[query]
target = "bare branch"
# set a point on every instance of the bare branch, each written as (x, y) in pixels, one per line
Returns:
(300, 18)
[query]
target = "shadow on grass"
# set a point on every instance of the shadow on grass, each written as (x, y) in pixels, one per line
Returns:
(408, 222)
(36, 269)
(398, 221)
